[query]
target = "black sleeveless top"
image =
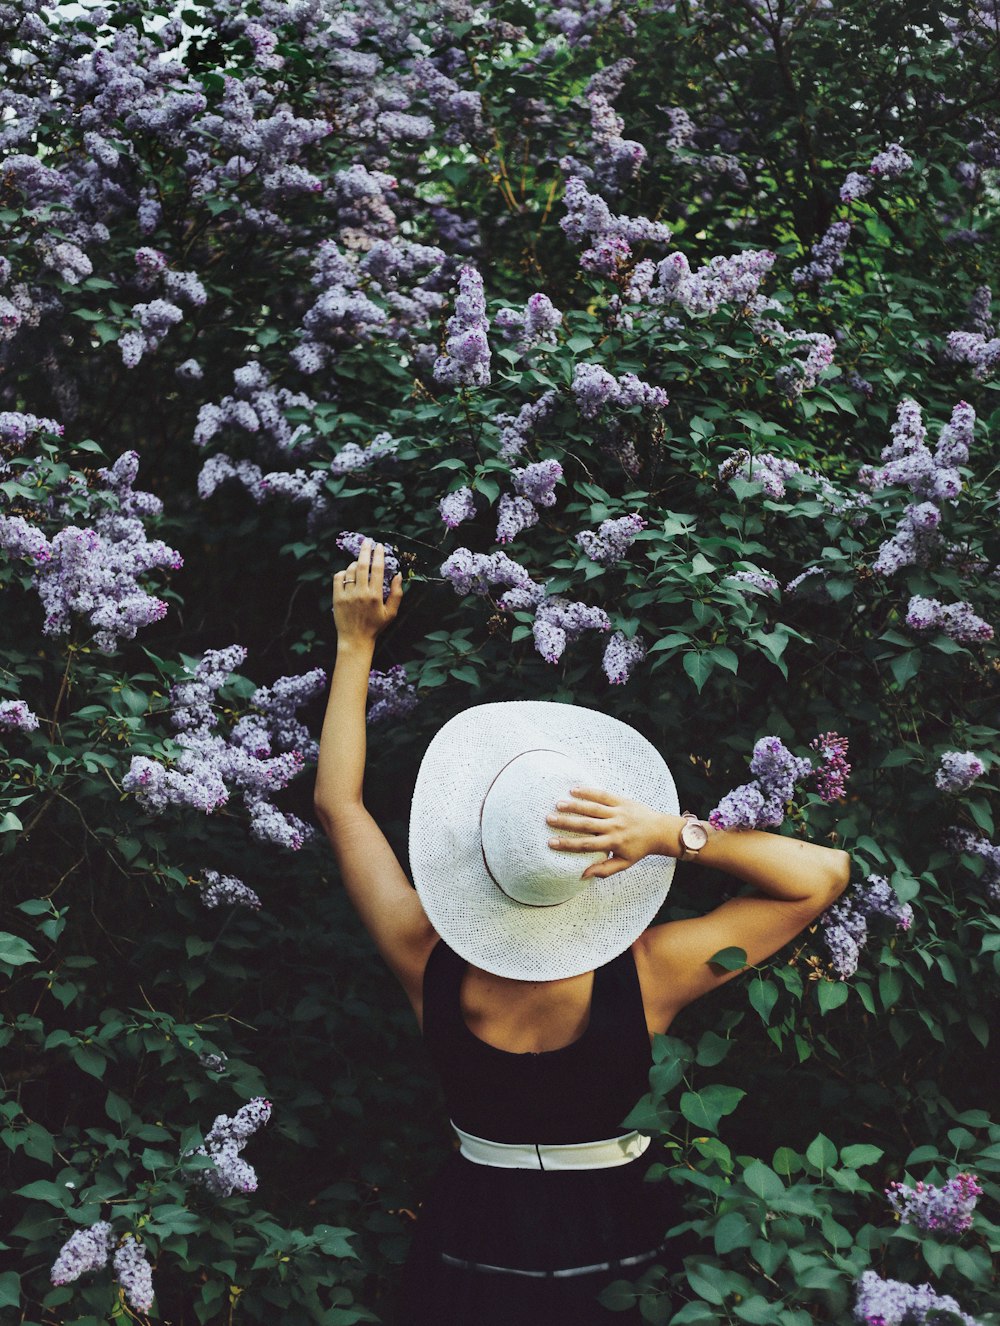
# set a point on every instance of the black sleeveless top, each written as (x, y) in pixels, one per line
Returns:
(579, 1093)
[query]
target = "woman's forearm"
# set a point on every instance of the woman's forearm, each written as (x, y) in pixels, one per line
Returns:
(342, 748)
(781, 867)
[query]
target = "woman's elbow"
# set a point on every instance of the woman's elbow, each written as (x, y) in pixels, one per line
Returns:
(839, 875)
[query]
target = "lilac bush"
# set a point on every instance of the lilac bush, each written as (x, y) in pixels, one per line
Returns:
(881, 1302)
(936, 1210)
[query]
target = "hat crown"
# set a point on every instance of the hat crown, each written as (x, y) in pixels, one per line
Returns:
(515, 836)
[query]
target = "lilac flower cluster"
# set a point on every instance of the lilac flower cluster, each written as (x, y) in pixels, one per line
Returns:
(227, 891)
(722, 280)
(516, 430)
(845, 924)
(15, 716)
(134, 1273)
(609, 543)
(617, 160)
(804, 370)
(881, 1302)
(17, 430)
(390, 694)
(457, 506)
(259, 409)
(594, 388)
(955, 620)
(760, 803)
(981, 353)
(944, 1210)
(514, 514)
(298, 485)
(889, 164)
(558, 621)
(351, 458)
(535, 324)
(350, 541)
(84, 1250)
(459, 108)
(211, 764)
(962, 840)
(224, 1141)
(958, 771)
(833, 772)
(478, 573)
(466, 358)
(759, 580)
(768, 470)
(611, 237)
(534, 486)
(621, 655)
(95, 570)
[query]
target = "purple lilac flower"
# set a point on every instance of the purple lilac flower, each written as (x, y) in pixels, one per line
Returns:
(17, 717)
(588, 218)
(514, 514)
(825, 256)
(908, 460)
(515, 430)
(192, 698)
(558, 621)
(981, 353)
(351, 457)
(944, 1210)
(958, 771)
(845, 923)
(277, 704)
(609, 543)
(466, 358)
(833, 772)
(84, 1250)
(534, 325)
(621, 655)
(979, 314)
(537, 482)
(349, 541)
(881, 1302)
(956, 437)
(739, 809)
(914, 542)
(733, 279)
(134, 1273)
(17, 429)
(891, 162)
(804, 370)
(761, 580)
(457, 506)
(768, 470)
(962, 840)
(478, 573)
(224, 1141)
(391, 695)
(227, 891)
(760, 803)
(955, 620)
(258, 408)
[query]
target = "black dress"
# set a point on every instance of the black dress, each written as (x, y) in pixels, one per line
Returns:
(489, 1239)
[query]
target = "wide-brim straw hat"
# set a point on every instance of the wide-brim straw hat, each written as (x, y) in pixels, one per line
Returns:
(489, 882)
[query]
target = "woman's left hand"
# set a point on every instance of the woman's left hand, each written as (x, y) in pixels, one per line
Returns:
(628, 829)
(358, 610)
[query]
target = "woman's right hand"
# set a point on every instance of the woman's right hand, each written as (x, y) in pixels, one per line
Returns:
(629, 830)
(358, 611)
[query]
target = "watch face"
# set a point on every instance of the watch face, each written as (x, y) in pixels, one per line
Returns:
(694, 836)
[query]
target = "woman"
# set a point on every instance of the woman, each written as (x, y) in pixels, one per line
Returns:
(539, 986)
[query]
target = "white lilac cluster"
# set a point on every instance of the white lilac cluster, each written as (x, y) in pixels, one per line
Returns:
(963, 840)
(227, 891)
(955, 620)
(350, 541)
(224, 1141)
(933, 1210)
(457, 506)
(466, 358)
(733, 279)
(762, 581)
(609, 543)
(390, 695)
(588, 218)
(594, 388)
(95, 570)
(881, 1302)
(516, 430)
(760, 803)
(621, 656)
(536, 324)
(257, 408)
(534, 486)
(845, 924)
(211, 764)
(15, 716)
(768, 470)
(134, 1273)
(351, 458)
(957, 771)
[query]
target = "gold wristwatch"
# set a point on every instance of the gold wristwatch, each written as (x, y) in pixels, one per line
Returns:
(693, 837)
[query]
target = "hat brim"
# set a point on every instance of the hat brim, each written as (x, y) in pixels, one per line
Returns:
(467, 909)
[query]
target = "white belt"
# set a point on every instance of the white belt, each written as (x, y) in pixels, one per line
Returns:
(574, 1155)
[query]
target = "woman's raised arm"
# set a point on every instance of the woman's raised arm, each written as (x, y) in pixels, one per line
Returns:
(375, 882)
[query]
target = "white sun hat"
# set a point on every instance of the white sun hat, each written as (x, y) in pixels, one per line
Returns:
(490, 884)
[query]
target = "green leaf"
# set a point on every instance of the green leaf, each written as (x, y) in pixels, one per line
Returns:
(763, 996)
(15, 951)
(10, 1289)
(619, 1296)
(890, 987)
(706, 1107)
(821, 1153)
(830, 995)
(762, 1181)
(861, 1153)
(712, 1049)
(704, 1281)
(732, 1231)
(44, 1190)
(9, 823)
(730, 959)
(786, 1161)
(699, 668)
